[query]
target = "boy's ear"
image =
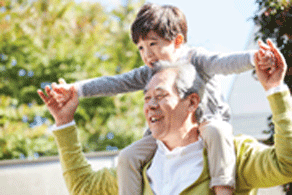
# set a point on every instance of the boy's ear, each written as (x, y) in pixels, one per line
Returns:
(179, 40)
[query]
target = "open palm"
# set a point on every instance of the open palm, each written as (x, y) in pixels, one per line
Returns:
(62, 113)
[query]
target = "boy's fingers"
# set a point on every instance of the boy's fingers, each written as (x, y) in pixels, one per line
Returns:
(54, 85)
(62, 81)
(73, 90)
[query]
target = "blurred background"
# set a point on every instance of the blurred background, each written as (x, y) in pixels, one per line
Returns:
(43, 40)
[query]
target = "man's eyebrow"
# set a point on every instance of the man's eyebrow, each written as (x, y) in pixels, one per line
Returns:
(158, 88)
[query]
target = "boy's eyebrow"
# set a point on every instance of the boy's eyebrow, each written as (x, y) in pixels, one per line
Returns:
(152, 38)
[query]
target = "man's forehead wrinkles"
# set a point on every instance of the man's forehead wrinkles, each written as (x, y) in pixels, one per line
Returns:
(157, 88)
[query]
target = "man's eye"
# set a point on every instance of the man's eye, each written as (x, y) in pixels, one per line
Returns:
(146, 99)
(159, 97)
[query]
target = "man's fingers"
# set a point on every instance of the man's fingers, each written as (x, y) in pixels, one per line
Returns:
(262, 52)
(48, 91)
(43, 96)
(273, 48)
(263, 46)
(271, 44)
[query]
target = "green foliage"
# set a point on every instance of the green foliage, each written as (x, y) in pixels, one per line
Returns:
(274, 19)
(17, 138)
(42, 41)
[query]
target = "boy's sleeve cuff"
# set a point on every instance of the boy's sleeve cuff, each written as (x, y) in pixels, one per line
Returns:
(55, 128)
(79, 89)
(251, 57)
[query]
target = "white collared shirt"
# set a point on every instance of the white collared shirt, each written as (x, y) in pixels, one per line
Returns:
(173, 171)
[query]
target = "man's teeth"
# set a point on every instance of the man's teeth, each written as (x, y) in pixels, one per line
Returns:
(153, 119)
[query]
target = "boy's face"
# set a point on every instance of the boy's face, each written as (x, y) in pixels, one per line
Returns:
(154, 48)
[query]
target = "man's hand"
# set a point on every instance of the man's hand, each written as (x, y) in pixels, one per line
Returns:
(264, 57)
(62, 113)
(273, 78)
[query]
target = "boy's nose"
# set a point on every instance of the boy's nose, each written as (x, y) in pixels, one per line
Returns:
(149, 53)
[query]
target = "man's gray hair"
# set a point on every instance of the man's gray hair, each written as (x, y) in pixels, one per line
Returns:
(187, 81)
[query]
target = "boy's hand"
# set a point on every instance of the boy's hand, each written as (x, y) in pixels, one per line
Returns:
(61, 92)
(265, 58)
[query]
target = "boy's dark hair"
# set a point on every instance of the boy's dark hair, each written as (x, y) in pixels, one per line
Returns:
(167, 21)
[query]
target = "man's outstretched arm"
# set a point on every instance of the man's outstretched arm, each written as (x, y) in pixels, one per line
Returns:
(78, 174)
(262, 166)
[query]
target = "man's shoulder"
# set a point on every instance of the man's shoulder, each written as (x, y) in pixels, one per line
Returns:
(246, 145)
(242, 140)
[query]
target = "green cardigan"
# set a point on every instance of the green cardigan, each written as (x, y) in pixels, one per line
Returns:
(258, 166)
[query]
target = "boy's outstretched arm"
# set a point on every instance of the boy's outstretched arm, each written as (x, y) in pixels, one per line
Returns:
(133, 80)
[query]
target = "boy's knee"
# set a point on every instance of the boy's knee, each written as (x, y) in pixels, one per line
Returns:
(125, 156)
(216, 128)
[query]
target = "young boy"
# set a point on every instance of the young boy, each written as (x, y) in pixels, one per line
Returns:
(160, 33)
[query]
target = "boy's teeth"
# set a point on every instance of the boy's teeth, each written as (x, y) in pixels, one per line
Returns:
(153, 119)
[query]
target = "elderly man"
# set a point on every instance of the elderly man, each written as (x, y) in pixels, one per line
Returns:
(172, 110)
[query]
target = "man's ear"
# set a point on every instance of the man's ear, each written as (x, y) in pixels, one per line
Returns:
(179, 40)
(194, 102)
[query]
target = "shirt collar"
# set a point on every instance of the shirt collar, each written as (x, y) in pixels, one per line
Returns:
(198, 145)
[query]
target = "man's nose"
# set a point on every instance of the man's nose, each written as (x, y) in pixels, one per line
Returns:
(153, 104)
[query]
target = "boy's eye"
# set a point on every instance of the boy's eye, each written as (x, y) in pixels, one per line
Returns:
(151, 44)
(140, 47)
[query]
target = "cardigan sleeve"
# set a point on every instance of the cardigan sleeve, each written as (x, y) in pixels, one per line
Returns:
(260, 166)
(79, 177)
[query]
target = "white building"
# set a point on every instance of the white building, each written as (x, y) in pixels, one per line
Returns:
(248, 102)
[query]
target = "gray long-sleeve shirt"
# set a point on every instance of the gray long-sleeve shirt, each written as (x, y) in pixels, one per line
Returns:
(208, 65)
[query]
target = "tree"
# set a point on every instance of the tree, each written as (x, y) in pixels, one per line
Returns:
(274, 19)
(44, 40)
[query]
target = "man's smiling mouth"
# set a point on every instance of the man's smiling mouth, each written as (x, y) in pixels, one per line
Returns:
(155, 119)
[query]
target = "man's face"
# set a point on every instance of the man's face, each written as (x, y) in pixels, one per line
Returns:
(165, 111)
(154, 48)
